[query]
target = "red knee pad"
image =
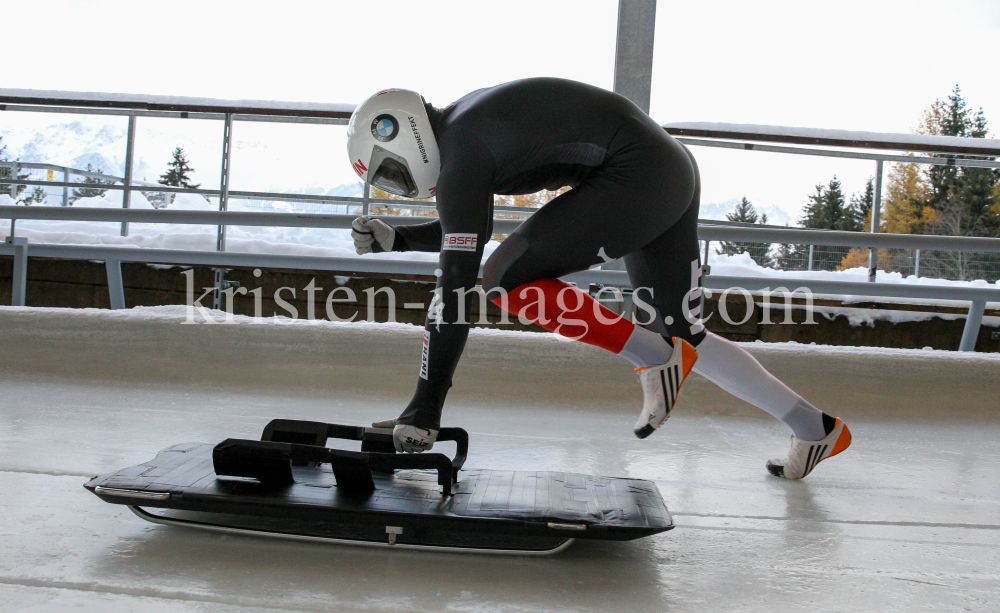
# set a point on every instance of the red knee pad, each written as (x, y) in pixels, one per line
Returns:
(563, 308)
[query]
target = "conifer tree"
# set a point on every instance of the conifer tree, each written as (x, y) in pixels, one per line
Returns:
(827, 210)
(861, 207)
(972, 187)
(760, 252)
(90, 192)
(790, 257)
(6, 172)
(744, 212)
(178, 172)
(36, 196)
(906, 208)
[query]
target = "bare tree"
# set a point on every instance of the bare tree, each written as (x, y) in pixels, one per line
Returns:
(955, 219)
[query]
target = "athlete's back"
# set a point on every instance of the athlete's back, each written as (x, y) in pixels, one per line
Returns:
(541, 133)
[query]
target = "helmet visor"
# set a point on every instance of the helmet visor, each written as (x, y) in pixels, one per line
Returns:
(392, 173)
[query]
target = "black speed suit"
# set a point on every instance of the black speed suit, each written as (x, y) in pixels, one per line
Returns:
(635, 194)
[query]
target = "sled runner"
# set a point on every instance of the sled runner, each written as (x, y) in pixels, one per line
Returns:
(291, 485)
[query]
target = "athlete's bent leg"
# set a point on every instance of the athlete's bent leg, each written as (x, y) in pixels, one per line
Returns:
(613, 213)
(564, 309)
(670, 269)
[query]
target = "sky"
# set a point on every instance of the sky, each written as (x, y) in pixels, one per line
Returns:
(872, 65)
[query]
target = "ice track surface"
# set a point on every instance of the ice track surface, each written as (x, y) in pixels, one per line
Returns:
(907, 520)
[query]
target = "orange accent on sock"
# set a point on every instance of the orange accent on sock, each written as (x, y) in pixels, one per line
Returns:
(542, 307)
(843, 441)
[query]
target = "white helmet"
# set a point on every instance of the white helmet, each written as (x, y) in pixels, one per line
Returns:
(392, 146)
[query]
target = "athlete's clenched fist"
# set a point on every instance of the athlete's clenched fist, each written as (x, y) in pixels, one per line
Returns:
(372, 235)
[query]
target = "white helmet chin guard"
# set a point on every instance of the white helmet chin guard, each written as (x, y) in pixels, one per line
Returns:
(392, 146)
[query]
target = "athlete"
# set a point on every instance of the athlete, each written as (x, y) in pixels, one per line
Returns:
(635, 193)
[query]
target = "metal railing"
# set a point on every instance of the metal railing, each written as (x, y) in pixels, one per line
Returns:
(227, 113)
(113, 256)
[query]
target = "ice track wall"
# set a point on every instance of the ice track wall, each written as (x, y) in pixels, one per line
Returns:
(380, 361)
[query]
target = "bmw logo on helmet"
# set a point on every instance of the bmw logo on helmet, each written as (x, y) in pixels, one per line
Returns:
(385, 128)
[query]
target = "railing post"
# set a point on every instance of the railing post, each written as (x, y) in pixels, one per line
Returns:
(705, 258)
(220, 243)
(13, 175)
(220, 278)
(20, 277)
(876, 223)
(634, 62)
(916, 263)
(812, 249)
(116, 288)
(65, 201)
(634, 50)
(227, 141)
(970, 334)
(365, 199)
(127, 182)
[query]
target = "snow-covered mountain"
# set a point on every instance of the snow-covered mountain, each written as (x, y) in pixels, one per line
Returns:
(305, 159)
(718, 210)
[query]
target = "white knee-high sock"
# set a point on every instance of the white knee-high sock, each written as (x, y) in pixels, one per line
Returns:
(646, 348)
(739, 373)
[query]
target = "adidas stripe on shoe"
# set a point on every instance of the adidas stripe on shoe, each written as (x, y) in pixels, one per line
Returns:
(661, 386)
(805, 455)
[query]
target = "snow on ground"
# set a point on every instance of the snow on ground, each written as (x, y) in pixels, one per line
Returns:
(742, 265)
(240, 239)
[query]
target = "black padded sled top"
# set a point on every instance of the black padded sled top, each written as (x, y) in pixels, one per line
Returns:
(184, 477)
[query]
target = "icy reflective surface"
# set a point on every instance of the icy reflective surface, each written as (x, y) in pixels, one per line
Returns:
(907, 520)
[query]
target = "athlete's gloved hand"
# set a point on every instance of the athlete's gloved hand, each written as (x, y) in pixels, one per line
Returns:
(412, 439)
(372, 235)
(409, 439)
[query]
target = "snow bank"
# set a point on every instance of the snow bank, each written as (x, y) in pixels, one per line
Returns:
(742, 265)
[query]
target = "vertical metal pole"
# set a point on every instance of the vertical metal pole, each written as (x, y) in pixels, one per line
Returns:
(129, 156)
(876, 212)
(812, 249)
(634, 50)
(916, 263)
(970, 334)
(65, 201)
(220, 245)
(227, 141)
(20, 277)
(365, 199)
(705, 262)
(634, 62)
(13, 175)
(220, 274)
(116, 288)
